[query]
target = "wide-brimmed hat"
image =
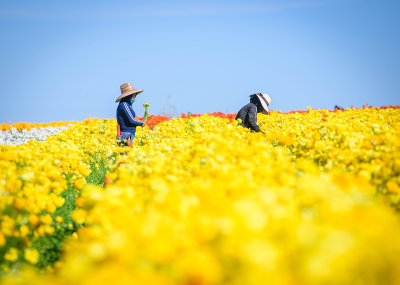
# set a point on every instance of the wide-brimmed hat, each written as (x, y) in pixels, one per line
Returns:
(126, 90)
(264, 99)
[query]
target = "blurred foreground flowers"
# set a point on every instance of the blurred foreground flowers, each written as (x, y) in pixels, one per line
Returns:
(199, 200)
(39, 183)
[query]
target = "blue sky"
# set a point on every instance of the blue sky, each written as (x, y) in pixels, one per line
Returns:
(65, 60)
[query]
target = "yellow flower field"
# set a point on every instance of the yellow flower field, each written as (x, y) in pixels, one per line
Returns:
(39, 185)
(200, 200)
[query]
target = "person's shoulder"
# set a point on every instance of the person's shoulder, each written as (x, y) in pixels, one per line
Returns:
(251, 106)
(123, 105)
(246, 107)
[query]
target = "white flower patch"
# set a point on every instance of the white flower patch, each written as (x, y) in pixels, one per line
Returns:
(16, 137)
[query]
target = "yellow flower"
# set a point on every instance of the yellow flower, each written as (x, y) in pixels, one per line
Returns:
(11, 254)
(33, 219)
(79, 216)
(24, 230)
(79, 183)
(46, 219)
(49, 230)
(31, 255)
(59, 219)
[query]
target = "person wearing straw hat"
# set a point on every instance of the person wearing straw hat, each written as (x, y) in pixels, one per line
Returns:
(259, 103)
(126, 116)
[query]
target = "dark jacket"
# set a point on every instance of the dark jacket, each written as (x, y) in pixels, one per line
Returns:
(248, 115)
(126, 117)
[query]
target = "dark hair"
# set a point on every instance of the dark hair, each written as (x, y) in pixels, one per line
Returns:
(256, 101)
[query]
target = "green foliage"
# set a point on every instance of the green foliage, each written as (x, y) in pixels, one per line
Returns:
(189, 124)
(99, 170)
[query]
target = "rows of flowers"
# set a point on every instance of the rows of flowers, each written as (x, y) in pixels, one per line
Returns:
(364, 142)
(200, 200)
(18, 137)
(39, 183)
(153, 120)
(28, 126)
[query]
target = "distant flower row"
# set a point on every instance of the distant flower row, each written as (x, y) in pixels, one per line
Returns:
(18, 137)
(27, 126)
(153, 120)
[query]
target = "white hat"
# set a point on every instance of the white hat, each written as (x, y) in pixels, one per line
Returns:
(264, 99)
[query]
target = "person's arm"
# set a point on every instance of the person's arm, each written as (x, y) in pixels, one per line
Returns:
(253, 119)
(131, 121)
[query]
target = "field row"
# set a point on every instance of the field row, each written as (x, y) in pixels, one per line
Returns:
(200, 200)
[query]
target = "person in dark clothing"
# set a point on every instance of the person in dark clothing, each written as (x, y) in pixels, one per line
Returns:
(259, 103)
(338, 108)
(126, 116)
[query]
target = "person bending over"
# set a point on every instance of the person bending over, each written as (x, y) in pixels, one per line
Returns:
(259, 103)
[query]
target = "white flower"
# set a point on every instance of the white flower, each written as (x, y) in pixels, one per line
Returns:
(15, 137)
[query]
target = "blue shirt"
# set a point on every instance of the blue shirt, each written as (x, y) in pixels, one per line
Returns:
(126, 118)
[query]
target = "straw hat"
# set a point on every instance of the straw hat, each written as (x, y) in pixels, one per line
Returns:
(264, 99)
(126, 90)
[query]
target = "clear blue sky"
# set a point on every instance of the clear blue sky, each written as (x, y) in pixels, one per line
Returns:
(65, 60)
